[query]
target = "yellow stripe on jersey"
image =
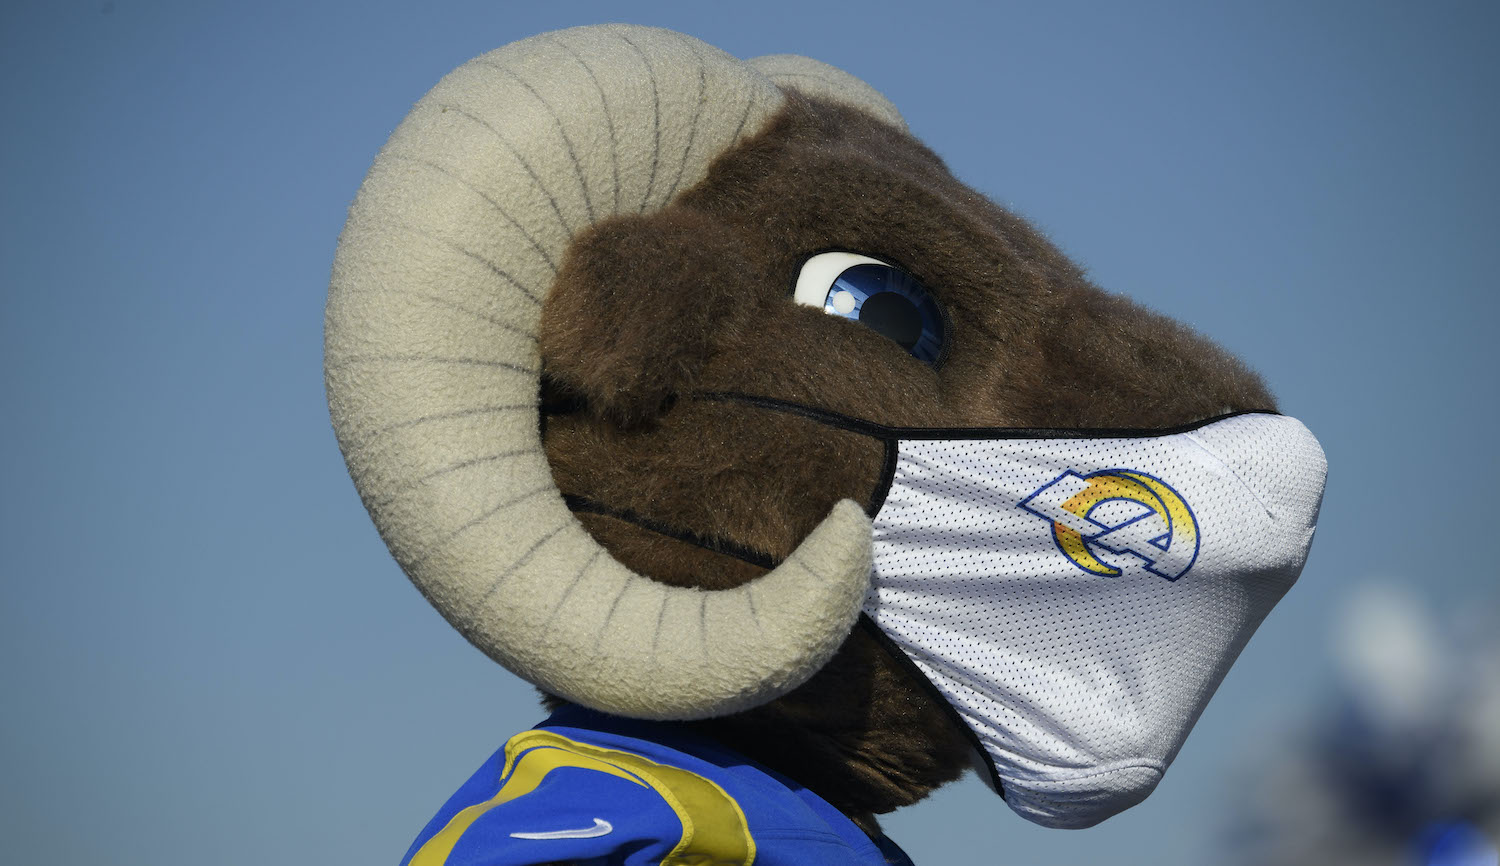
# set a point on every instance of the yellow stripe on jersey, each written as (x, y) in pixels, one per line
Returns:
(714, 829)
(524, 771)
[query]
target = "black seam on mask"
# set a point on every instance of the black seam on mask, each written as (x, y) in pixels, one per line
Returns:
(581, 505)
(881, 431)
(887, 476)
(904, 661)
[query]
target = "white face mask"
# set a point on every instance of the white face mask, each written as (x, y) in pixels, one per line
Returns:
(1077, 596)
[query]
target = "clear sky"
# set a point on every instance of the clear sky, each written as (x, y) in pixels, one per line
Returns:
(208, 655)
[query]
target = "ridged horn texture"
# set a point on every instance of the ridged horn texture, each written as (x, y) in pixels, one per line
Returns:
(432, 370)
(816, 78)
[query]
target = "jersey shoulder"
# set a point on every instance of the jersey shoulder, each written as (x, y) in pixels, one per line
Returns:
(547, 796)
(585, 787)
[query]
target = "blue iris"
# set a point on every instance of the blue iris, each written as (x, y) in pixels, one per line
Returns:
(891, 302)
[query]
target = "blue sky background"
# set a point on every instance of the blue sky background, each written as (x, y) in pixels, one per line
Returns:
(208, 655)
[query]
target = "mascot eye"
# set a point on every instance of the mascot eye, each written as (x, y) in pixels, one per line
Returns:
(879, 296)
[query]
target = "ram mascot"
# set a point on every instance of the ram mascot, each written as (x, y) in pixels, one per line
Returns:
(797, 476)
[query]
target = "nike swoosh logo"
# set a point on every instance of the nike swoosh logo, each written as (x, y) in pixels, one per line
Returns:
(601, 828)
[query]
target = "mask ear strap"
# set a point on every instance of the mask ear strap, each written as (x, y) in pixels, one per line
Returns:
(813, 413)
(904, 662)
(886, 435)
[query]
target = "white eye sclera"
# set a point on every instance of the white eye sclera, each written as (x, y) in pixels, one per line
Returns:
(879, 296)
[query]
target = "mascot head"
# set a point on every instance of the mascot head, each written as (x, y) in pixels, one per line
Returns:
(629, 341)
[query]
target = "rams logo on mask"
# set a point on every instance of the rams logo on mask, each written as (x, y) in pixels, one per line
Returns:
(1104, 521)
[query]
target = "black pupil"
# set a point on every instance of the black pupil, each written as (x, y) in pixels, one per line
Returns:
(893, 316)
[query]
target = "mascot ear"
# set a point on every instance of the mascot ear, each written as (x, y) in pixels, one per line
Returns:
(433, 372)
(816, 78)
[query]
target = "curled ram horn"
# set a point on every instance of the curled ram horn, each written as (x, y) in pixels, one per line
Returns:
(432, 370)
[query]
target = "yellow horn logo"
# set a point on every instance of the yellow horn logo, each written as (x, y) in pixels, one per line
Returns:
(1105, 520)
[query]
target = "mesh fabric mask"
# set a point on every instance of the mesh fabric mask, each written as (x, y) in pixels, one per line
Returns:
(1076, 596)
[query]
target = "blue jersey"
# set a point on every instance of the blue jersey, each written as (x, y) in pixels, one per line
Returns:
(599, 790)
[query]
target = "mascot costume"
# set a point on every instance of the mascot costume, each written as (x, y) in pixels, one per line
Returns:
(798, 476)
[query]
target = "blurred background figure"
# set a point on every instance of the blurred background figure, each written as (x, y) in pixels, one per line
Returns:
(1401, 763)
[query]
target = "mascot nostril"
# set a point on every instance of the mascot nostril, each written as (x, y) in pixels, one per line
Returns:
(796, 475)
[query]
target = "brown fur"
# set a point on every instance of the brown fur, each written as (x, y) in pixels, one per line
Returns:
(650, 310)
